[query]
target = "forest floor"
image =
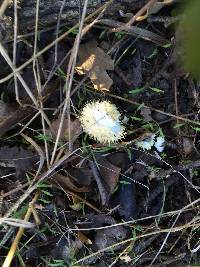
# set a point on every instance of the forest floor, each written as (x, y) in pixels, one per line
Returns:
(68, 200)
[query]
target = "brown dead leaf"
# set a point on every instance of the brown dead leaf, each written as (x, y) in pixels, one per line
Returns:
(17, 157)
(107, 237)
(82, 176)
(94, 62)
(66, 182)
(75, 129)
(187, 146)
(83, 238)
(109, 172)
(6, 110)
(146, 113)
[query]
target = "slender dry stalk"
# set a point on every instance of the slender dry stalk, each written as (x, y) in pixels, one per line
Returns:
(20, 232)
(39, 151)
(144, 9)
(153, 109)
(36, 72)
(3, 7)
(15, 26)
(68, 84)
(9, 62)
(70, 75)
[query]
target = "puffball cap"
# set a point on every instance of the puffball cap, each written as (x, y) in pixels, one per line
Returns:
(101, 121)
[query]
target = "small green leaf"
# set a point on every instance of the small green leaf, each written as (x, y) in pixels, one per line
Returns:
(178, 125)
(157, 90)
(60, 72)
(43, 185)
(57, 264)
(148, 126)
(44, 201)
(136, 118)
(119, 35)
(136, 90)
(103, 33)
(140, 106)
(197, 129)
(153, 54)
(104, 149)
(47, 193)
(43, 137)
(129, 153)
(167, 45)
(161, 132)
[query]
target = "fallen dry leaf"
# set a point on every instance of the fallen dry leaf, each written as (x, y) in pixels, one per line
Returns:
(107, 237)
(67, 182)
(83, 238)
(82, 176)
(17, 157)
(109, 172)
(6, 110)
(94, 62)
(75, 129)
(146, 113)
(187, 146)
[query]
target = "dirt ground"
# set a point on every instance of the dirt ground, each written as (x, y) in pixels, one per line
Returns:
(67, 199)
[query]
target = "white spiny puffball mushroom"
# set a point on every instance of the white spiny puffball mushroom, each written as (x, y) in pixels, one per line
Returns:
(101, 120)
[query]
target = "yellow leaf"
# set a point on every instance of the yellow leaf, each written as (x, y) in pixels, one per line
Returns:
(94, 62)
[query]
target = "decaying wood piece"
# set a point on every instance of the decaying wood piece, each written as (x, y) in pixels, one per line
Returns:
(49, 11)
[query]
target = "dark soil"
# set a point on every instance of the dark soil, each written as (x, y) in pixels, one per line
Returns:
(104, 205)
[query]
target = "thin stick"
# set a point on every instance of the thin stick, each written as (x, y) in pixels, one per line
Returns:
(20, 232)
(36, 72)
(68, 83)
(103, 191)
(80, 198)
(15, 25)
(3, 7)
(144, 9)
(39, 150)
(154, 109)
(8, 60)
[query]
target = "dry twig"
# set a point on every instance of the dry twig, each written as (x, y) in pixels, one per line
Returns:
(16, 241)
(144, 9)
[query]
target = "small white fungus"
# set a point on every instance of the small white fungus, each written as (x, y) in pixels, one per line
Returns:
(160, 143)
(101, 121)
(147, 144)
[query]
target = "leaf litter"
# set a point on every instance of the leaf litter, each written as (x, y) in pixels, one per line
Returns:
(128, 179)
(94, 62)
(73, 127)
(6, 110)
(17, 157)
